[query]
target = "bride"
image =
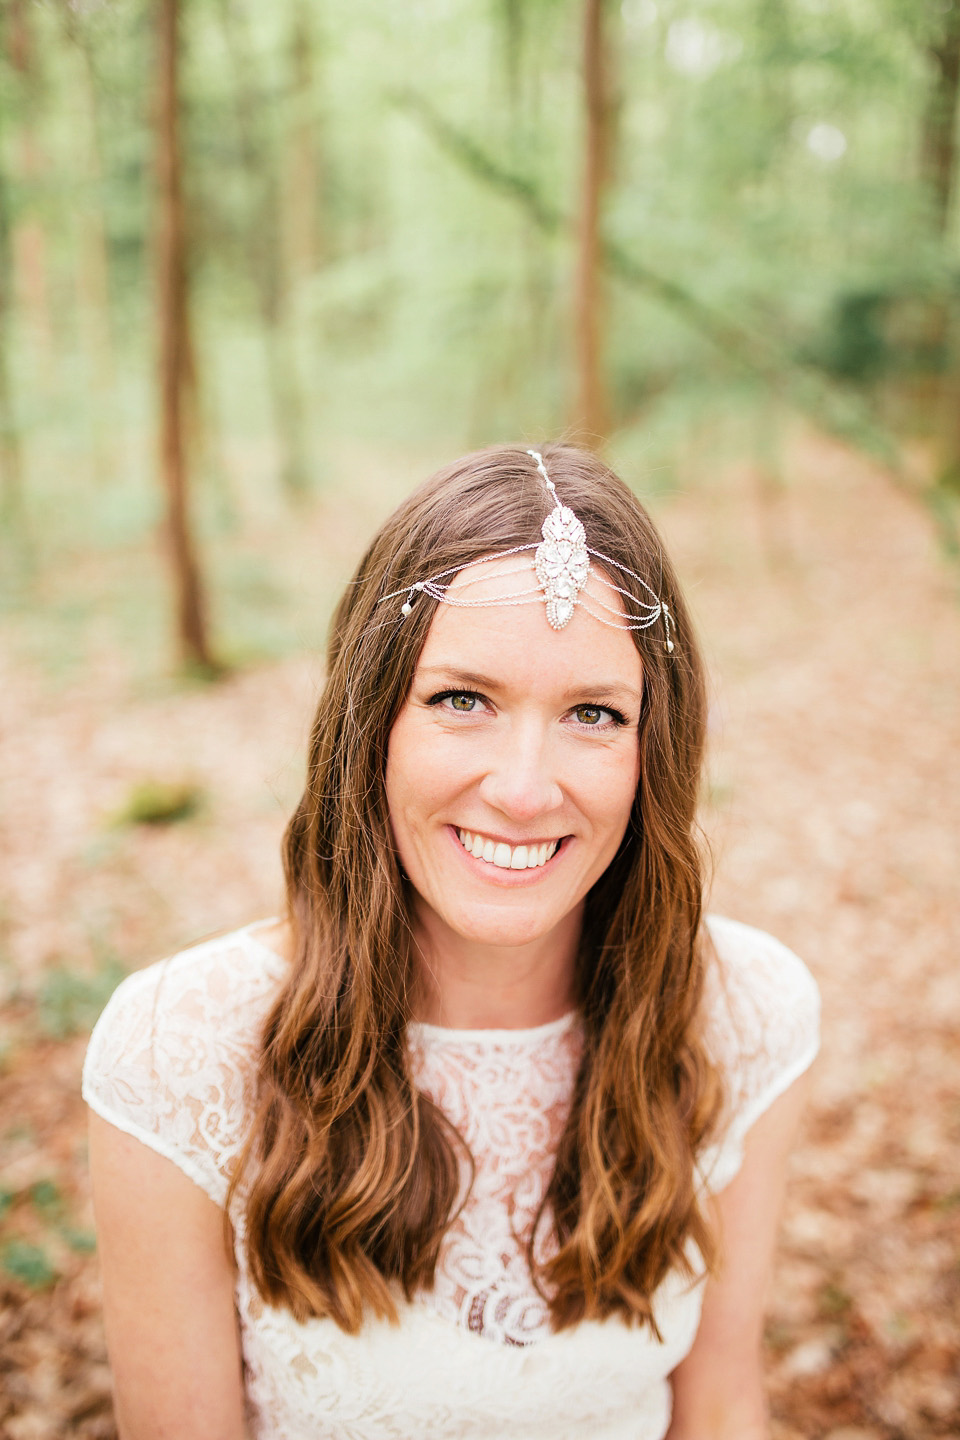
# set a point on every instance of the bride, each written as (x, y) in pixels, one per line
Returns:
(486, 1137)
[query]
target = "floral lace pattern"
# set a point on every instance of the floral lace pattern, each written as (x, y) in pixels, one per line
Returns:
(171, 1063)
(508, 1093)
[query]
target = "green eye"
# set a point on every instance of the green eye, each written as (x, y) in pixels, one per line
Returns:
(463, 702)
(589, 714)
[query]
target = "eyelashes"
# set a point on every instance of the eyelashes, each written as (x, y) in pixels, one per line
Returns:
(474, 699)
(616, 719)
(471, 695)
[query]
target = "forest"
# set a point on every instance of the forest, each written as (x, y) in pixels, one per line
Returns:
(235, 235)
(264, 267)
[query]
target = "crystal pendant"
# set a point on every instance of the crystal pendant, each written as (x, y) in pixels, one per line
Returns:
(562, 563)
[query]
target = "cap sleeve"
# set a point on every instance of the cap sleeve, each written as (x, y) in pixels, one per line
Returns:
(762, 1029)
(171, 1059)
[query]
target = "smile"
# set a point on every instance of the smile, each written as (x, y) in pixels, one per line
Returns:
(507, 857)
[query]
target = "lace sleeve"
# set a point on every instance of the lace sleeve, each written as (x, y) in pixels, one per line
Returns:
(763, 1029)
(171, 1058)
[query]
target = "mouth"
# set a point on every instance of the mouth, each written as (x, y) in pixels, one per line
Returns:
(531, 856)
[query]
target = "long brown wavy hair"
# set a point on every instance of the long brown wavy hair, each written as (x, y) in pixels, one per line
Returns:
(351, 1175)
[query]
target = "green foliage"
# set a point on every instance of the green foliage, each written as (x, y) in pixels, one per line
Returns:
(361, 268)
(69, 1003)
(833, 1301)
(45, 1198)
(81, 1242)
(29, 1264)
(160, 802)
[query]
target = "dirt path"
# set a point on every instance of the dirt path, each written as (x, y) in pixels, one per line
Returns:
(833, 632)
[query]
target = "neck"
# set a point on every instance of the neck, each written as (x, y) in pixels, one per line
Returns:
(466, 984)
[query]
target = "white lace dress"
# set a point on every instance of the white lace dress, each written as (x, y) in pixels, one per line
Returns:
(170, 1062)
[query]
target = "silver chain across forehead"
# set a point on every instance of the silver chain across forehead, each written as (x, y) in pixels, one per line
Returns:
(561, 563)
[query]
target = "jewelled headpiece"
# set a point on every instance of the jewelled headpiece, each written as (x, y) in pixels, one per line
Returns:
(562, 565)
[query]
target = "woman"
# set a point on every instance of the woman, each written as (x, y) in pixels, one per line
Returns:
(495, 1126)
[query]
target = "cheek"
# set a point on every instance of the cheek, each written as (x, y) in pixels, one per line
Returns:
(420, 776)
(609, 787)
(401, 766)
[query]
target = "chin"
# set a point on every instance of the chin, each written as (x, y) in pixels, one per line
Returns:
(505, 930)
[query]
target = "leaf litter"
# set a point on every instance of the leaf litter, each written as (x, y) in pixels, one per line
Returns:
(832, 630)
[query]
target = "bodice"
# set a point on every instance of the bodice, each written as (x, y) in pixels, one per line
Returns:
(172, 1060)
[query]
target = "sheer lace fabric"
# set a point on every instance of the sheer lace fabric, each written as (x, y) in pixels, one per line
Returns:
(508, 1094)
(171, 1062)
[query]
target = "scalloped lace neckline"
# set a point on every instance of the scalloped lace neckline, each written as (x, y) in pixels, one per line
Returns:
(424, 1032)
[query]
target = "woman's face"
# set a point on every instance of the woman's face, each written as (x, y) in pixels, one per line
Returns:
(513, 764)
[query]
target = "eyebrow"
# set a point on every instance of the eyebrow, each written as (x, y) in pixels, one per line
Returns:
(597, 690)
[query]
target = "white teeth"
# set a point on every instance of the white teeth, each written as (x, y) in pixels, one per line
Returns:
(506, 857)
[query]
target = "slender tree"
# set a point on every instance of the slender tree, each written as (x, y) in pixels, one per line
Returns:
(175, 352)
(592, 412)
(94, 269)
(939, 163)
(11, 466)
(510, 16)
(306, 238)
(28, 240)
(93, 254)
(939, 144)
(266, 260)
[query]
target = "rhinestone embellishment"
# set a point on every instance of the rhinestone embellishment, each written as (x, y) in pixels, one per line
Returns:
(562, 563)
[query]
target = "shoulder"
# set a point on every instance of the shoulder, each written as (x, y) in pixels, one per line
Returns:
(761, 1021)
(215, 994)
(171, 1059)
(756, 984)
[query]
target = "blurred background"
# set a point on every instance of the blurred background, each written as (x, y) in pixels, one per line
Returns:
(264, 267)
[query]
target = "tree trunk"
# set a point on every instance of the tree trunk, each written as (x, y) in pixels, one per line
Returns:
(266, 264)
(28, 240)
(940, 171)
(752, 352)
(940, 122)
(511, 15)
(95, 257)
(305, 245)
(775, 49)
(592, 404)
(174, 347)
(11, 469)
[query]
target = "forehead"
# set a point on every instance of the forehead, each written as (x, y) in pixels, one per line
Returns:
(500, 628)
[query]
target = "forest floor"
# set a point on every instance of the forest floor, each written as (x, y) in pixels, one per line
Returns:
(832, 629)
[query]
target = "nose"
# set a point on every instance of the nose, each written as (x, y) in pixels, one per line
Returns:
(521, 779)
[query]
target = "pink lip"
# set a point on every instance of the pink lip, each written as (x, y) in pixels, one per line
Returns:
(495, 875)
